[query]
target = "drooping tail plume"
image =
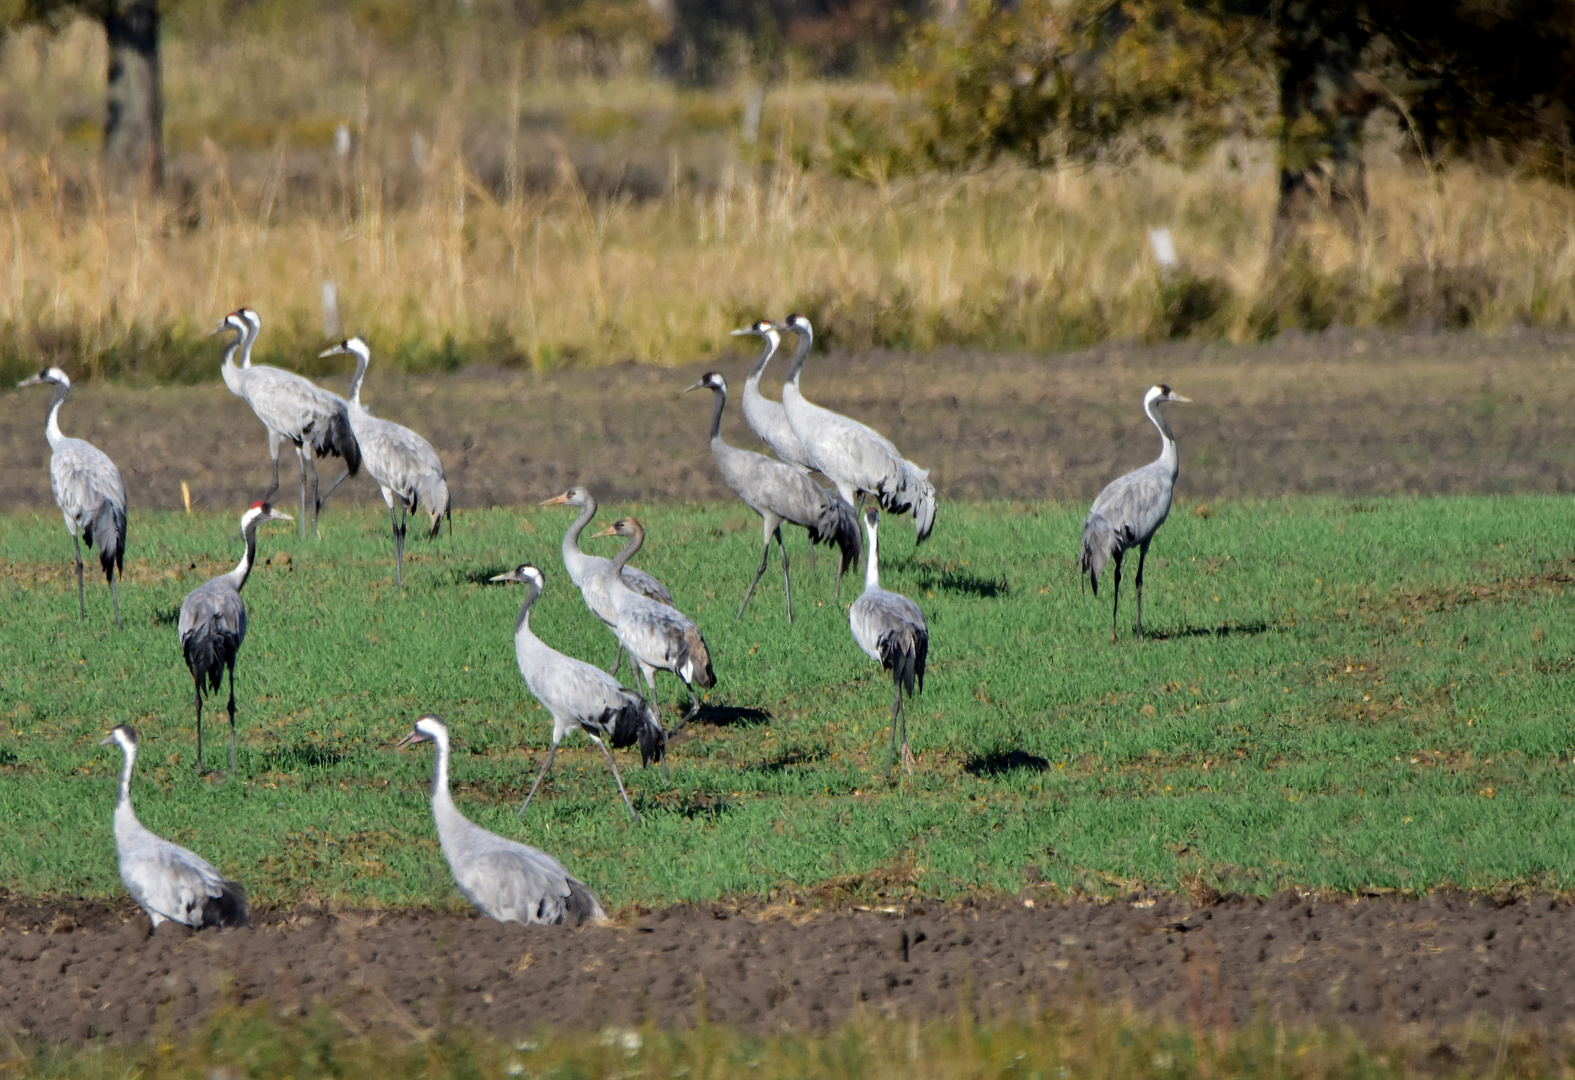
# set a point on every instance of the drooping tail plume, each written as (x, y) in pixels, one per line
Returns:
(1102, 542)
(108, 531)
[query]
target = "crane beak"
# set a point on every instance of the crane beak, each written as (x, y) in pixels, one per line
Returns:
(31, 380)
(510, 576)
(335, 351)
(697, 386)
(106, 740)
(745, 332)
(278, 515)
(609, 531)
(556, 500)
(1178, 398)
(410, 740)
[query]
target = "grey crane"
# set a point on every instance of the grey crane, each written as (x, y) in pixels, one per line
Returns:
(506, 880)
(213, 624)
(768, 418)
(88, 489)
(857, 458)
(779, 492)
(890, 629)
(406, 468)
(658, 637)
(293, 409)
(580, 695)
(166, 880)
(590, 573)
(1131, 509)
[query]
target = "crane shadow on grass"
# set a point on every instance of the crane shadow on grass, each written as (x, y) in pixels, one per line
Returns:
(1223, 630)
(959, 582)
(790, 758)
(1000, 763)
(482, 576)
(303, 755)
(166, 616)
(730, 716)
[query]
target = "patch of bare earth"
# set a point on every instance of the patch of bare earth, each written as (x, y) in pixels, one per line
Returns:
(75, 972)
(1340, 413)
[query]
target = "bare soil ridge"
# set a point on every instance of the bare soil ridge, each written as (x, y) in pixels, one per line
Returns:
(1341, 413)
(76, 972)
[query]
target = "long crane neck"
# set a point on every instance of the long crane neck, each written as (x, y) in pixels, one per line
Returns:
(1167, 445)
(872, 564)
(571, 539)
(440, 795)
(522, 624)
(635, 540)
(52, 427)
(773, 341)
(248, 339)
(125, 816)
(355, 382)
(243, 569)
(805, 340)
(717, 405)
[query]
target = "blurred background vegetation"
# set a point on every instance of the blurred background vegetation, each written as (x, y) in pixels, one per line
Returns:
(552, 182)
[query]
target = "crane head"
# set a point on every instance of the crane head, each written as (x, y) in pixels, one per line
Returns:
(798, 324)
(1162, 392)
(626, 526)
(123, 734)
(355, 346)
(50, 376)
(711, 380)
(759, 328)
(232, 321)
(260, 511)
(250, 317)
(871, 516)
(429, 728)
(525, 574)
(575, 496)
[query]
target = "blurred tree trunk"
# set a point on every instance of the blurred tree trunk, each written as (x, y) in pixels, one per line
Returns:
(134, 114)
(1324, 104)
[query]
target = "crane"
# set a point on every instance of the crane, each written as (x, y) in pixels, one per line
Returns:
(591, 573)
(88, 489)
(890, 629)
(506, 880)
(166, 880)
(293, 409)
(580, 695)
(657, 636)
(406, 468)
(857, 458)
(767, 418)
(1130, 510)
(779, 492)
(213, 624)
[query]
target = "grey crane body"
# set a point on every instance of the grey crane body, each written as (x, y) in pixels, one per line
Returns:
(592, 574)
(859, 460)
(166, 880)
(212, 625)
(408, 471)
(891, 630)
(580, 695)
(779, 493)
(1130, 510)
(658, 637)
(89, 491)
(316, 422)
(506, 880)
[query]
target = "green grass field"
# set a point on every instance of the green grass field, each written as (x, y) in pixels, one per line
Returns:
(1338, 696)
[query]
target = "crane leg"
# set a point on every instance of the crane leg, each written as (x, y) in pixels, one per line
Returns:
(273, 450)
(317, 501)
(896, 710)
(232, 717)
(114, 598)
(302, 452)
(545, 765)
(1115, 601)
(398, 523)
(617, 660)
(196, 766)
(694, 704)
(811, 552)
(1142, 555)
(907, 754)
(787, 584)
(613, 765)
(765, 554)
(81, 602)
(324, 496)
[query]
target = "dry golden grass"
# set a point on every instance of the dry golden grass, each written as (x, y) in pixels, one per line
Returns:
(489, 249)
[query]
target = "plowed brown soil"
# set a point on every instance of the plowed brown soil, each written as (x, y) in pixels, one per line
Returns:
(73, 973)
(1340, 413)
